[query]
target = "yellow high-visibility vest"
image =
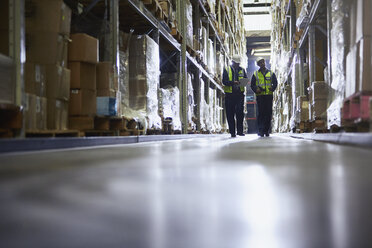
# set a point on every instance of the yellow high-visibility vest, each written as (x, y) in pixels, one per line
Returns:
(228, 89)
(264, 81)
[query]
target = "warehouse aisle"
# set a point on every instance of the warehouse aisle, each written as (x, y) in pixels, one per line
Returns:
(199, 193)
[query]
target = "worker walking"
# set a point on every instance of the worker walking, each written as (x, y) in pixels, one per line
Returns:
(264, 83)
(234, 96)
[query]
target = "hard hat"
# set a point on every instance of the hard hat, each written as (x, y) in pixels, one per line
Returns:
(259, 59)
(236, 58)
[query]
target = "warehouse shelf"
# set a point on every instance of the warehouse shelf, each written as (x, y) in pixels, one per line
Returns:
(145, 13)
(312, 16)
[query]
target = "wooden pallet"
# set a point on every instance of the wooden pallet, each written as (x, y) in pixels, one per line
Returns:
(132, 132)
(319, 126)
(51, 133)
(109, 123)
(153, 131)
(359, 125)
(98, 133)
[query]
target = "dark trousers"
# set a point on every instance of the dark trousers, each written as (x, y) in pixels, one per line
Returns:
(234, 105)
(264, 113)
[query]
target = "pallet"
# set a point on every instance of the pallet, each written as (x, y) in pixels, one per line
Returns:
(98, 133)
(51, 133)
(109, 123)
(358, 125)
(357, 106)
(132, 132)
(153, 131)
(318, 126)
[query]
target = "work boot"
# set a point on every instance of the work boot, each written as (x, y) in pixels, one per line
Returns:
(267, 134)
(241, 134)
(233, 135)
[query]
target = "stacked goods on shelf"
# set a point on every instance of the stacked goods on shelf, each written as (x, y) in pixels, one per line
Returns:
(190, 103)
(108, 96)
(144, 81)
(302, 110)
(83, 58)
(47, 31)
(303, 8)
(169, 101)
(189, 25)
(318, 101)
(204, 108)
(358, 62)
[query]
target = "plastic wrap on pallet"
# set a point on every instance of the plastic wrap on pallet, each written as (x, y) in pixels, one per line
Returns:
(170, 106)
(204, 44)
(211, 58)
(202, 103)
(191, 103)
(189, 25)
(339, 33)
(144, 79)
(124, 82)
(303, 18)
(296, 89)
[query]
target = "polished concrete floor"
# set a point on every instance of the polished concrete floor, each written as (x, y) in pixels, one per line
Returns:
(213, 192)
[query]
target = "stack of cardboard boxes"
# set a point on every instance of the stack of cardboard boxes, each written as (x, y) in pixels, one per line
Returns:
(108, 96)
(47, 80)
(83, 59)
(318, 100)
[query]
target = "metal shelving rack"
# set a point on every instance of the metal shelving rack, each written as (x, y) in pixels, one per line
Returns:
(186, 63)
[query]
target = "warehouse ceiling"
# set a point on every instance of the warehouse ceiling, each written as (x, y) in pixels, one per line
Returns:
(257, 17)
(257, 22)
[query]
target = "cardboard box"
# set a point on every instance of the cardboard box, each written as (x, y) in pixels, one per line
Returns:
(29, 112)
(46, 48)
(106, 78)
(81, 122)
(83, 48)
(58, 82)
(319, 109)
(107, 106)
(352, 77)
(106, 92)
(57, 114)
(363, 19)
(83, 75)
(82, 102)
(365, 65)
(35, 79)
(47, 16)
(41, 112)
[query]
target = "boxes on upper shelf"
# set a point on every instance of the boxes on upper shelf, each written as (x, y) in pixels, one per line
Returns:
(46, 48)
(83, 48)
(47, 16)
